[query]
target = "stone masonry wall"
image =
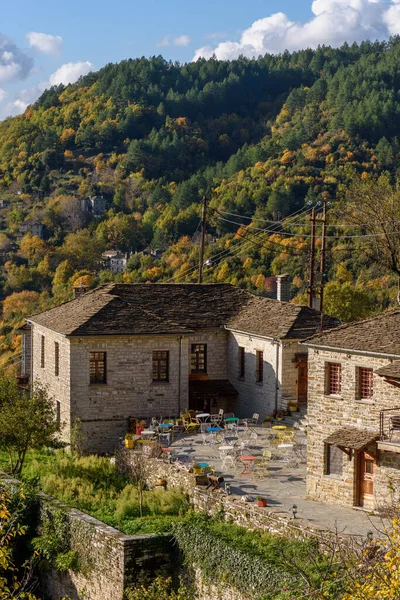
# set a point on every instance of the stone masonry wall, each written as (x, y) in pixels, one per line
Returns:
(253, 396)
(104, 409)
(216, 340)
(111, 560)
(327, 414)
(257, 397)
(58, 387)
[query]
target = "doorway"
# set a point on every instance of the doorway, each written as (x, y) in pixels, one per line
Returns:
(365, 484)
(302, 382)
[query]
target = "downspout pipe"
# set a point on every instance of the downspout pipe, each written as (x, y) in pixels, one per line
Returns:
(277, 374)
(180, 375)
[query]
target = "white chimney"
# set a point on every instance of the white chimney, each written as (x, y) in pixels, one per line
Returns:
(283, 288)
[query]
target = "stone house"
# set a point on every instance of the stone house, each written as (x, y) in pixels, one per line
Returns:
(31, 226)
(354, 413)
(115, 261)
(156, 349)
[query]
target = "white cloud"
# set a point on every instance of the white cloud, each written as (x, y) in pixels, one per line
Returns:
(14, 63)
(334, 22)
(169, 40)
(70, 72)
(3, 94)
(43, 42)
(181, 40)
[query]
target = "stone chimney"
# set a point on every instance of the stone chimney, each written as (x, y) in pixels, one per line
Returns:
(283, 288)
(80, 290)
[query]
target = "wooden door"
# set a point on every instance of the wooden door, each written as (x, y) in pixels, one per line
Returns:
(366, 479)
(302, 382)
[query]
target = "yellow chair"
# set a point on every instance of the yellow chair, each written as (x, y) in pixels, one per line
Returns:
(190, 423)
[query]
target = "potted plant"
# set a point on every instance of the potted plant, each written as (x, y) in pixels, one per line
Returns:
(197, 470)
(261, 501)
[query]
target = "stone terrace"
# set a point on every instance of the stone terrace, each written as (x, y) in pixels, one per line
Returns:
(284, 486)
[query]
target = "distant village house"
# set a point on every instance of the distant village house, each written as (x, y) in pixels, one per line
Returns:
(31, 226)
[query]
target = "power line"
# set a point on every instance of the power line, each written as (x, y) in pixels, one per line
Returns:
(221, 255)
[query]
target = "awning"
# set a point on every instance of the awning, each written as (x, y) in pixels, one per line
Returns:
(351, 438)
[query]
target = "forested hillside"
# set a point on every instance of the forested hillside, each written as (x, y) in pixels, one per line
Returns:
(263, 140)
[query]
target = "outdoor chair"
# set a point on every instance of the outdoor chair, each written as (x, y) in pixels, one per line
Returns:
(394, 425)
(216, 419)
(190, 423)
(287, 436)
(261, 465)
(250, 422)
(214, 482)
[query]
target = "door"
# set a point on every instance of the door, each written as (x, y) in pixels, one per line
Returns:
(302, 382)
(366, 480)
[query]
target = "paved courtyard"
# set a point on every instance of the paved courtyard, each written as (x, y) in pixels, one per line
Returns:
(283, 486)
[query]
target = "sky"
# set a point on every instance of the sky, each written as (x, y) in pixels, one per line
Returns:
(48, 42)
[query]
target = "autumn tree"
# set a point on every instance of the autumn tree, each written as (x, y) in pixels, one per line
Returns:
(348, 302)
(83, 249)
(28, 420)
(373, 205)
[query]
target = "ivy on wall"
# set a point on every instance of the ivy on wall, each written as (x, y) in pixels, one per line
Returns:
(222, 562)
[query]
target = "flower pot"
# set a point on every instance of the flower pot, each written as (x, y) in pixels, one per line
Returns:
(262, 502)
(197, 470)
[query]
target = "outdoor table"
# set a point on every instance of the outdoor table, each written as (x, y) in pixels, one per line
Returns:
(248, 462)
(202, 416)
(148, 432)
(232, 420)
(164, 426)
(203, 465)
(279, 427)
(213, 431)
(285, 448)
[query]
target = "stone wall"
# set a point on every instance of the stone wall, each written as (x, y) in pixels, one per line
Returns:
(111, 561)
(280, 373)
(216, 340)
(253, 396)
(328, 413)
(58, 386)
(130, 390)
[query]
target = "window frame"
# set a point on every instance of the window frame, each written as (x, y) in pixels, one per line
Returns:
(328, 461)
(259, 366)
(158, 362)
(195, 356)
(56, 359)
(332, 388)
(96, 361)
(367, 385)
(42, 352)
(241, 362)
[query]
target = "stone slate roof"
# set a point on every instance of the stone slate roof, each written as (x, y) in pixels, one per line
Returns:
(378, 335)
(134, 309)
(356, 439)
(392, 370)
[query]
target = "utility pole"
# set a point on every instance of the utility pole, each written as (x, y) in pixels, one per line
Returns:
(203, 238)
(312, 260)
(323, 257)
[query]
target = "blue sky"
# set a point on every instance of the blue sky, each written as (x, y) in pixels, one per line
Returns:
(43, 42)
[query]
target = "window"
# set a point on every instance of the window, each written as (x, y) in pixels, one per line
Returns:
(98, 367)
(365, 383)
(198, 359)
(161, 366)
(56, 359)
(334, 460)
(58, 410)
(334, 378)
(42, 352)
(259, 366)
(241, 361)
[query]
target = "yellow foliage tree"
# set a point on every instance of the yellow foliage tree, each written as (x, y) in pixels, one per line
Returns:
(21, 304)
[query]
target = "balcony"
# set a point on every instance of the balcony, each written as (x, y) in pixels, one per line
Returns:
(389, 430)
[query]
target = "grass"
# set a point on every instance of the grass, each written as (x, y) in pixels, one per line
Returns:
(92, 484)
